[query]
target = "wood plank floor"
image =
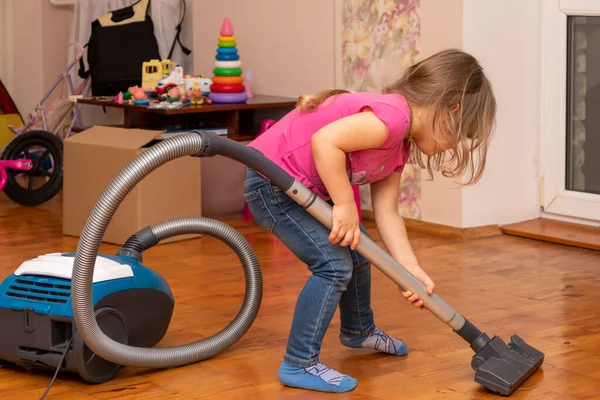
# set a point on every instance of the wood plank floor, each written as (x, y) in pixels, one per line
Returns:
(587, 237)
(547, 293)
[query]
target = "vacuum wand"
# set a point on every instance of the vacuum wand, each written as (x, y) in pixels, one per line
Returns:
(499, 367)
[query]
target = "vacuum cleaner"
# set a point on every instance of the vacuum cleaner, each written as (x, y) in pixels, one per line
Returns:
(132, 303)
(108, 311)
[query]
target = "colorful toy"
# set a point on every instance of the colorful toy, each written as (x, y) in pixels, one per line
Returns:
(228, 82)
(154, 71)
(182, 90)
(227, 71)
(227, 57)
(167, 66)
(202, 82)
(123, 97)
(228, 64)
(164, 76)
(227, 44)
(175, 78)
(138, 95)
(228, 51)
(197, 97)
(118, 98)
(228, 97)
(227, 87)
(151, 74)
(173, 94)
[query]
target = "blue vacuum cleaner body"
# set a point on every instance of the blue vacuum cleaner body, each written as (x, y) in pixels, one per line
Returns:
(133, 305)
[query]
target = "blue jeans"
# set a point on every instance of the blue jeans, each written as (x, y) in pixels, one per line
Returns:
(339, 275)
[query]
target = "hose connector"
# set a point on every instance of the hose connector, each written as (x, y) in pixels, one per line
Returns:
(138, 243)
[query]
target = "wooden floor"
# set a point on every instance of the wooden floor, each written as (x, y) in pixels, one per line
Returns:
(587, 237)
(547, 293)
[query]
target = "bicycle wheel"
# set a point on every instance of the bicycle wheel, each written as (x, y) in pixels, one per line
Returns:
(45, 150)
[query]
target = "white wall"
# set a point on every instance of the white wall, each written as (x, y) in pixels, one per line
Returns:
(441, 28)
(509, 190)
(26, 55)
(288, 44)
(187, 35)
(511, 58)
(5, 52)
(55, 23)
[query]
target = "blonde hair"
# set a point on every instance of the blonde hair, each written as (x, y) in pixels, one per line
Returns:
(440, 82)
(311, 102)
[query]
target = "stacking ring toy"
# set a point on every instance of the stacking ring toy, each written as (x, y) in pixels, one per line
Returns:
(227, 57)
(227, 44)
(226, 38)
(227, 50)
(228, 64)
(227, 88)
(228, 80)
(227, 71)
(228, 97)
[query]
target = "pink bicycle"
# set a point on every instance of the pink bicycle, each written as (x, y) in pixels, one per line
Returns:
(31, 164)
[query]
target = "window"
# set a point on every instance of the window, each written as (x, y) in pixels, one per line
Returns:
(583, 104)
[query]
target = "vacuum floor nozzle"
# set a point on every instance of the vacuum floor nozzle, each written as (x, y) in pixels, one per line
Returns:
(502, 368)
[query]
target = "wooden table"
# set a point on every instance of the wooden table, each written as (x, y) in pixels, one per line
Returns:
(242, 120)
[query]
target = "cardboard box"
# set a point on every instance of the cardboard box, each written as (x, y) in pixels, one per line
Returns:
(94, 157)
(223, 198)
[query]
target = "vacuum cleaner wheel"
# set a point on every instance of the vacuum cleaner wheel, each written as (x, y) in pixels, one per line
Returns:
(92, 367)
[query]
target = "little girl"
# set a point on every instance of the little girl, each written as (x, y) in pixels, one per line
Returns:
(335, 139)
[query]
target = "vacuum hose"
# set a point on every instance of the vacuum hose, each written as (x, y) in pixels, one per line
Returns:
(205, 144)
(87, 251)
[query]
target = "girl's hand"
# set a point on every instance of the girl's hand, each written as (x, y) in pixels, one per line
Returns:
(345, 228)
(423, 277)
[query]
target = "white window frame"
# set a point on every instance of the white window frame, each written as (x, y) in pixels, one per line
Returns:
(556, 199)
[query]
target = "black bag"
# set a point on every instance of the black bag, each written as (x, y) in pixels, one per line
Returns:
(120, 42)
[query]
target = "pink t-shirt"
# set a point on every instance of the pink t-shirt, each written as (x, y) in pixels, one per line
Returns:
(288, 142)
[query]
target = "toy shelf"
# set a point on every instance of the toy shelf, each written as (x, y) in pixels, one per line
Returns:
(242, 120)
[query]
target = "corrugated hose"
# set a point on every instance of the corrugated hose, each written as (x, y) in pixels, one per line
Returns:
(83, 269)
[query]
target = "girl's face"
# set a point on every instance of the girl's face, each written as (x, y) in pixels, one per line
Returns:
(431, 142)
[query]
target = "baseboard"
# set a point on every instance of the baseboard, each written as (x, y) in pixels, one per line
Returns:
(452, 232)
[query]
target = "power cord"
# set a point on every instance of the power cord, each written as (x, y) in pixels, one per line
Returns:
(68, 347)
